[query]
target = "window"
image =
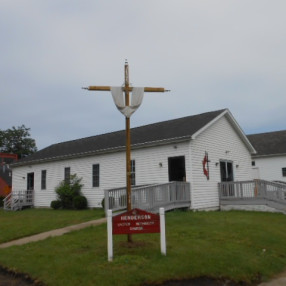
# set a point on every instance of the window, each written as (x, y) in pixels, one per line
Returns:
(284, 172)
(44, 180)
(67, 174)
(253, 163)
(95, 175)
(133, 182)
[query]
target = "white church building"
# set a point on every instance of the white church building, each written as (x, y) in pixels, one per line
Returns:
(173, 150)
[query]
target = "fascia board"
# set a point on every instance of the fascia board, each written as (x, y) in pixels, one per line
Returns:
(235, 125)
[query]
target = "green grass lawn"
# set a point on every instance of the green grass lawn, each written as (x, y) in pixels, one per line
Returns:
(18, 224)
(242, 246)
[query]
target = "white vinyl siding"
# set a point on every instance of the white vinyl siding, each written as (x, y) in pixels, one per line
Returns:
(112, 172)
(270, 168)
(222, 144)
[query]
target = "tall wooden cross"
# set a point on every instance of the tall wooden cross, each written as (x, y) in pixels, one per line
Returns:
(127, 88)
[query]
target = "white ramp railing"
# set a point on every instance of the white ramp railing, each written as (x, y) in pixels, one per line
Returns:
(269, 193)
(150, 197)
(16, 200)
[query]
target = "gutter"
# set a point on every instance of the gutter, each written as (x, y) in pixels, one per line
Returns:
(269, 155)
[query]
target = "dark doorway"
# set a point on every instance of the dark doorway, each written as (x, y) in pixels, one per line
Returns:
(177, 170)
(30, 181)
(226, 171)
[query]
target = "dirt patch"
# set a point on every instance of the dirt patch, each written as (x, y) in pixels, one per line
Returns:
(202, 281)
(11, 278)
(134, 244)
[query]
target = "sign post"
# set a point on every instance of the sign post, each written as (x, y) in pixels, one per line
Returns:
(163, 231)
(109, 236)
(135, 221)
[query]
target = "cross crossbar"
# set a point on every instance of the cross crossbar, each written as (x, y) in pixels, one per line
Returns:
(108, 88)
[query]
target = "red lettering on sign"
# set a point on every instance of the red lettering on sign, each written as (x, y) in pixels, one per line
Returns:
(136, 221)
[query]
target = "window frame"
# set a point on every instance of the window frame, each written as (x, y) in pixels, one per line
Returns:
(133, 172)
(67, 175)
(44, 180)
(95, 175)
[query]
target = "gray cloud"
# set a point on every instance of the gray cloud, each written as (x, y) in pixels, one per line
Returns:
(211, 54)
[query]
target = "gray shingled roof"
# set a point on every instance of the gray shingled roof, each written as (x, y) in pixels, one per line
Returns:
(270, 143)
(157, 133)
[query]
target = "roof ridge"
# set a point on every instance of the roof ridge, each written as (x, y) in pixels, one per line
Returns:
(179, 118)
(268, 132)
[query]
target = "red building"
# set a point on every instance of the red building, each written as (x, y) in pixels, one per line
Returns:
(6, 173)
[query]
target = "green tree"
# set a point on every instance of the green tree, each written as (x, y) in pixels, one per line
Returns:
(17, 141)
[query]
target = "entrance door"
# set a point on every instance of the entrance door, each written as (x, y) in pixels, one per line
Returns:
(30, 181)
(226, 171)
(177, 170)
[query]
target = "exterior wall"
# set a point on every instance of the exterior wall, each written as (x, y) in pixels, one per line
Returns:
(112, 172)
(222, 143)
(270, 168)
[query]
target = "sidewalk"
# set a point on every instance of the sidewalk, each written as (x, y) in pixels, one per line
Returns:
(52, 233)
(279, 280)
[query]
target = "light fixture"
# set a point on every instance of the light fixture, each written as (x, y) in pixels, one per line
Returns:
(237, 166)
(160, 164)
(216, 163)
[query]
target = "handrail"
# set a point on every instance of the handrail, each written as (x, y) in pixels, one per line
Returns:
(150, 197)
(18, 199)
(256, 191)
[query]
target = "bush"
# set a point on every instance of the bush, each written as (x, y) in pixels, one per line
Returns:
(56, 204)
(1, 201)
(67, 191)
(80, 202)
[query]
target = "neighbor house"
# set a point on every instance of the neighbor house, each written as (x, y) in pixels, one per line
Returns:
(203, 150)
(269, 163)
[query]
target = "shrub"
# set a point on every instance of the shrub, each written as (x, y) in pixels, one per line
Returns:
(79, 202)
(56, 204)
(67, 191)
(1, 201)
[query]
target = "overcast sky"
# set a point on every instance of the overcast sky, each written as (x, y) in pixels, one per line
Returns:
(211, 54)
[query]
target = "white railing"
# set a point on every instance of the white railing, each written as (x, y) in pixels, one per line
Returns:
(259, 190)
(16, 200)
(150, 197)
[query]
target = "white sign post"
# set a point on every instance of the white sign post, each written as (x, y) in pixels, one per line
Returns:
(109, 236)
(133, 219)
(163, 231)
